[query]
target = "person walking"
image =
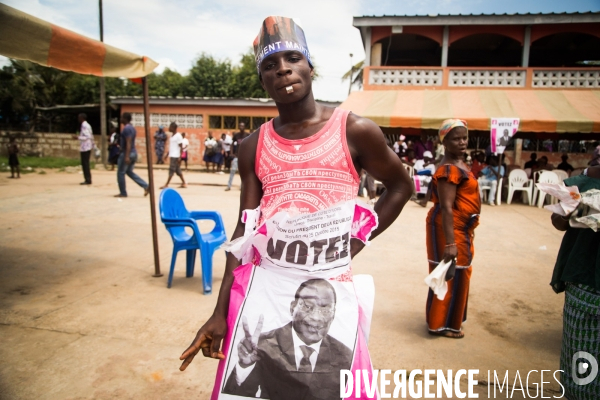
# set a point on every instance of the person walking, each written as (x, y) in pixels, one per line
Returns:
(174, 155)
(86, 144)
(128, 157)
(160, 137)
(450, 226)
(238, 138)
(576, 272)
(294, 292)
(13, 158)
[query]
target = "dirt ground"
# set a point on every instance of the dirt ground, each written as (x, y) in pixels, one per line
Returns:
(81, 316)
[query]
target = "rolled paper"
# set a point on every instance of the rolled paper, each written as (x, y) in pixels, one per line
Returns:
(289, 89)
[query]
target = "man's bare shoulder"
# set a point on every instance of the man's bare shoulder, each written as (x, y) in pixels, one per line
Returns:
(357, 125)
(250, 141)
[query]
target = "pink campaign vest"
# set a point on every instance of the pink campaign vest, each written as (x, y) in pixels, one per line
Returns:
(306, 175)
(296, 244)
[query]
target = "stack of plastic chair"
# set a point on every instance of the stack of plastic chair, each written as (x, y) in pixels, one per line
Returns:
(546, 177)
(518, 181)
(562, 175)
(176, 219)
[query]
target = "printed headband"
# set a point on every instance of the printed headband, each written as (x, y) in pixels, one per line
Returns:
(450, 124)
(279, 34)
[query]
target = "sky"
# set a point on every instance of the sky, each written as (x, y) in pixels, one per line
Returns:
(176, 32)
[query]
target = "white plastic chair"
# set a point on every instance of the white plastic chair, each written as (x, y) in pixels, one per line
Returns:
(546, 177)
(577, 171)
(498, 192)
(562, 175)
(518, 181)
(410, 170)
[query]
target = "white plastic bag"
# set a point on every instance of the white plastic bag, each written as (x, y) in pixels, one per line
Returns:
(436, 280)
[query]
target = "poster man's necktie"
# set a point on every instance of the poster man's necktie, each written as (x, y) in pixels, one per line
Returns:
(305, 365)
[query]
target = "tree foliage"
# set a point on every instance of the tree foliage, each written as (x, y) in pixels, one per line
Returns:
(25, 86)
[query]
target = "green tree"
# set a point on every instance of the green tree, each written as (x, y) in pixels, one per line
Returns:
(209, 77)
(169, 83)
(246, 82)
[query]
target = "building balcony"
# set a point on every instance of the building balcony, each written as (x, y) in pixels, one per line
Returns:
(387, 78)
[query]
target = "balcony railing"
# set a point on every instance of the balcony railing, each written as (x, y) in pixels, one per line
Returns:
(382, 78)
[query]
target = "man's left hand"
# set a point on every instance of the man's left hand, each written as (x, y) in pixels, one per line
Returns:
(127, 160)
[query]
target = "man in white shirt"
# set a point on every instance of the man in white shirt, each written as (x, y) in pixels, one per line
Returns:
(86, 144)
(175, 149)
(425, 166)
(280, 361)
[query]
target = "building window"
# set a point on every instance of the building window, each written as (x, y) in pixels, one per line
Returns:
(215, 121)
(182, 120)
(232, 121)
(229, 122)
(257, 122)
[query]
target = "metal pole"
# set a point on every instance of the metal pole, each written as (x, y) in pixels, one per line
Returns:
(103, 145)
(150, 177)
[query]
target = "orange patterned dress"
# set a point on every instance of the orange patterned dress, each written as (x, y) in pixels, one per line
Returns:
(450, 313)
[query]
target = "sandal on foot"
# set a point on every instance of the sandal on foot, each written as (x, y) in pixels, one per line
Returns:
(448, 334)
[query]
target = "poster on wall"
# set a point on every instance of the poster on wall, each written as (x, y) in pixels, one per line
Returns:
(502, 130)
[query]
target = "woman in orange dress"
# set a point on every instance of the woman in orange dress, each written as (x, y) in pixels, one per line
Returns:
(450, 226)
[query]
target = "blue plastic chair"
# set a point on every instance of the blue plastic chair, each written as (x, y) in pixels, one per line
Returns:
(176, 218)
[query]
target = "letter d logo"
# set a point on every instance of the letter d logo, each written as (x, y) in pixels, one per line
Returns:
(583, 367)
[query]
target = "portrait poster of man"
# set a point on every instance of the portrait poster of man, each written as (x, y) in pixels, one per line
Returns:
(294, 345)
(502, 131)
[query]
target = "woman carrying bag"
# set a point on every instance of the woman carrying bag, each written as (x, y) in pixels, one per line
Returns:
(450, 229)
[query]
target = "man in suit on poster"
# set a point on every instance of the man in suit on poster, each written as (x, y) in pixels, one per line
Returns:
(297, 361)
(503, 141)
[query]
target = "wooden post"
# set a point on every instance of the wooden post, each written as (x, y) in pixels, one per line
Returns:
(103, 144)
(150, 177)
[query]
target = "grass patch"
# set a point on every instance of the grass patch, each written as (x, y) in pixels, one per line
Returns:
(45, 162)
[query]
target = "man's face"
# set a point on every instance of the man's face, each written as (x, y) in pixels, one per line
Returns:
(282, 70)
(80, 119)
(124, 121)
(172, 128)
(313, 313)
(242, 127)
(506, 133)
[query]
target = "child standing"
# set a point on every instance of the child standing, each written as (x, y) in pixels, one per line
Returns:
(13, 159)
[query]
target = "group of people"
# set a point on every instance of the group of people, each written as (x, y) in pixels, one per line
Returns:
(218, 154)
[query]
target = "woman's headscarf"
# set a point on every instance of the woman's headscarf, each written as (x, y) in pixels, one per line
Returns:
(450, 124)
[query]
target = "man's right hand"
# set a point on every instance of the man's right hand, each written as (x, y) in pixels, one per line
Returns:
(208, 339)
(248, 347)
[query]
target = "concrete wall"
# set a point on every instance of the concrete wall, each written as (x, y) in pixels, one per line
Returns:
(42, 144)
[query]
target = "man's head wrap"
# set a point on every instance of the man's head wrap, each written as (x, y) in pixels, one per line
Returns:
(450, 124)
(279, 34)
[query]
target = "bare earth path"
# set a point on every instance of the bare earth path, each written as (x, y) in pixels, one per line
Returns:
(81, 316)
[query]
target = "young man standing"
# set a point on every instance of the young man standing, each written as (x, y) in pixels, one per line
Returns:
(128, 157)
(175, 150)
(86, 144)
(302, 169)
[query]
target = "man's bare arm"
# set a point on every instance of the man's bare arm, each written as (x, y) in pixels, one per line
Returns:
(370, 151)
(211, 334)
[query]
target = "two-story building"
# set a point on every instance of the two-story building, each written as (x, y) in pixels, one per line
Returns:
(541, 68)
